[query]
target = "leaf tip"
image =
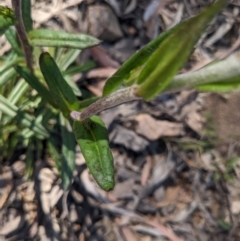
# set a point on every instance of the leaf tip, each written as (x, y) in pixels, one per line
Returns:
(107, 186)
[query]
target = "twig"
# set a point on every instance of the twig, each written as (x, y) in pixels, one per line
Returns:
(117, 98)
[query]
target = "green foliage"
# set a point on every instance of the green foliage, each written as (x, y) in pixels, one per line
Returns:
(36, 102)
(34, 82)
(68, 152)
(46, 37)
(26, 14)
(7, 19)
(228, 174)
(58, 87)
(130, 70)
(30, 102)
(163, 64)
(92, 138)
(224, 225)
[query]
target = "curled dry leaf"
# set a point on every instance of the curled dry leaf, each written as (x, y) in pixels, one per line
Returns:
(102, 73)
(128, 234)
(5, 187)
(153, 129)
(146, 171)
(13, 225)
(124, 190)
(103, 58)
(235, 207)
(128, 138)
(195, 121)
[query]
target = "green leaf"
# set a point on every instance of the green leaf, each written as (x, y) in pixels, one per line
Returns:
(68, 58)
(34, 82)
(219, 87)
(73, 85)
(46, 37)
(11, 36)
(7, 18)
(5, 76)
(29, 160)
(174, 51)
(59, 88)
(68, 152)
(23, 118)
(26, 14)
(18, 91)
(54, 152)
(127, 72)
(85, 103)
(92, 138)
(11, 62)
(80, 68)
(224, 225)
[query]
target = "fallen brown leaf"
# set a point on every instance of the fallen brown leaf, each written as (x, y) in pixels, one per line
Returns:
(153, 129)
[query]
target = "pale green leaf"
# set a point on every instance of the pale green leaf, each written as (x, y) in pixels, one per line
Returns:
(51, 38)
(174, 51)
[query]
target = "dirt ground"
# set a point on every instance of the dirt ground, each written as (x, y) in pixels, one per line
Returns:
(176, 158)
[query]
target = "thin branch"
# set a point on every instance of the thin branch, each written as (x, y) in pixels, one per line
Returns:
(21, 32)
(117, 98)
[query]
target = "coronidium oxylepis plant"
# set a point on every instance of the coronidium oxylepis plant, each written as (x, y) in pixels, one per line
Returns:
(146, 74)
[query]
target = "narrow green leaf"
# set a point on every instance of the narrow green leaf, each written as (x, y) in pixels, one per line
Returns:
(135, 63)
(54, 152)
(11, 36)
(6, 76)
(219, 87)
(68, 58)
(11, 62)
(59, 88)
(73, 85)
(26, 133)
(46, 37)
(18, 91)
(80, 68)
(7, 18)
(26, 14)
(68, 152)
(85, 103)
(34, 82)
(23, 118)
(92, 138)
(174, 51)
(29, 160)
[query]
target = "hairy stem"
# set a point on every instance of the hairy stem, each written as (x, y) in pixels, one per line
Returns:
(21, 32)
(117, 98)
(225, 70)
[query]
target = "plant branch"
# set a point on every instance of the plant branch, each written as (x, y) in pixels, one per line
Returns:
(21, 32)
(224, 71)
(117, 98)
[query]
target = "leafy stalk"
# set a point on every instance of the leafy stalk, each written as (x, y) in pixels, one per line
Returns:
(173, 52)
